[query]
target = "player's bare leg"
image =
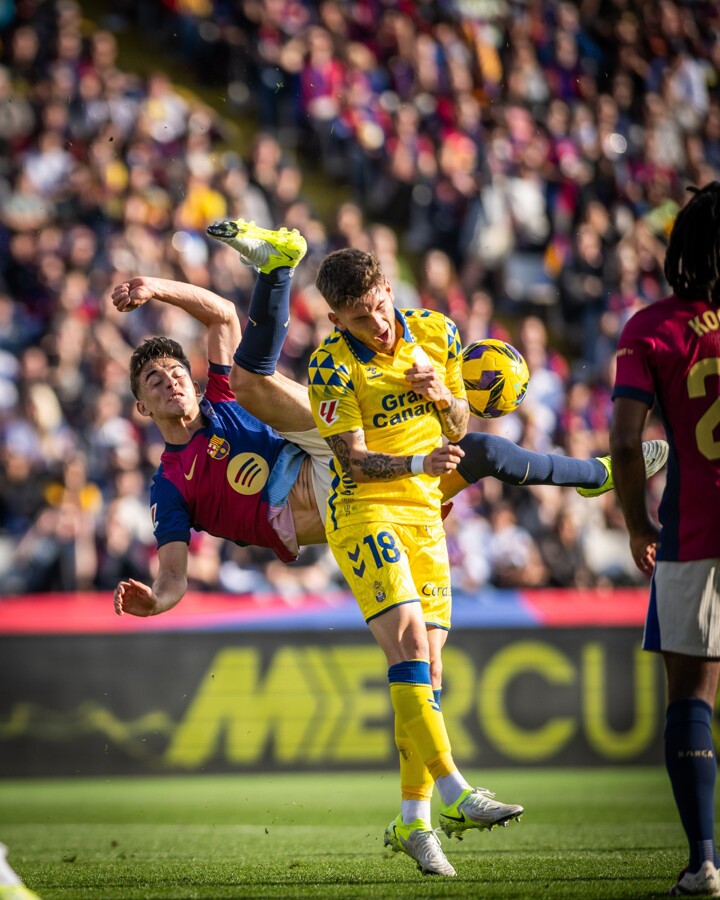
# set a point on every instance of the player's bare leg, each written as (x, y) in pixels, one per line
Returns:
(274, 399)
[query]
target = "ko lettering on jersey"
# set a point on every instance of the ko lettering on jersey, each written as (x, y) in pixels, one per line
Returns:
(670, 353)
(230, 480)
(352, 387)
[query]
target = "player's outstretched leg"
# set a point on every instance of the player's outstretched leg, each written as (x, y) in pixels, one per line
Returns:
(263, 248)
(258, 386)
(491, 455)
(420, 842)
(476, 808)
(655, 454)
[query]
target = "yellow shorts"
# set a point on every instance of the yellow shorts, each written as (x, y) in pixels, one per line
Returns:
(387, 564)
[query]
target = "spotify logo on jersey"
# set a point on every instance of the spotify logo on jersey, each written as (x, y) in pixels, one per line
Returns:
(247, 473)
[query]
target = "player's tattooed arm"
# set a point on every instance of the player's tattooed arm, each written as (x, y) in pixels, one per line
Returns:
(454, 418)
(339, 447)
(363, 465)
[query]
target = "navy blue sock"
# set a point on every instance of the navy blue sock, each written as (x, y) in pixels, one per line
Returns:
(488, 454)
(436, 694)
(691, 765)
(268, 320)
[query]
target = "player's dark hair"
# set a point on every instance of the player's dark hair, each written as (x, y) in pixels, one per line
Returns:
(692, 261)
(154, 348)
(345, 276)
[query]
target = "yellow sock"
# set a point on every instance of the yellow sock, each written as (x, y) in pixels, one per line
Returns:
(416, 782)
(419, 715)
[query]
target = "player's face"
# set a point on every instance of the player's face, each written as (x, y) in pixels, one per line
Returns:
(371, 320)
(166, 390)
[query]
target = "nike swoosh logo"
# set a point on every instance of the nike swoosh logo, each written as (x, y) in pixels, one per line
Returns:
(189, 475)
(399, 837)
(460, 818)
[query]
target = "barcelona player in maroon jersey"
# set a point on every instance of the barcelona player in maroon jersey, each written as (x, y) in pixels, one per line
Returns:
(669, 355)
(223, 470)
(234, 474)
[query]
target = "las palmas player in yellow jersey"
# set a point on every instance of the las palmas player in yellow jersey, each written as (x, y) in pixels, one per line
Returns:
(385, 388)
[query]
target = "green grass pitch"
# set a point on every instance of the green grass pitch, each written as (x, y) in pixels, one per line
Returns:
(608, 833)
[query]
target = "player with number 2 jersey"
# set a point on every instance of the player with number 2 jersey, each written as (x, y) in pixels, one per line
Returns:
(670, 352)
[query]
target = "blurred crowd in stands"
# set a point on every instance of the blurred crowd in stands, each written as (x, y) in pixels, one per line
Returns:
(514, 164)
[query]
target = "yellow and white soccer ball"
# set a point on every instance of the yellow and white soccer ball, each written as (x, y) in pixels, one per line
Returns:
(496, 377)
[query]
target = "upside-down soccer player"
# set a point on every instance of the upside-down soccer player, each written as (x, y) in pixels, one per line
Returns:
(669, 354)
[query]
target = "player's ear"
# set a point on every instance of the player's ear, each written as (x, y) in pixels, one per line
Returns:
(336, 322)
(198, 392)
(142, 409)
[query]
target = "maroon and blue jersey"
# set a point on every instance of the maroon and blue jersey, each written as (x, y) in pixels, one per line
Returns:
(669, 352)
(231, 479)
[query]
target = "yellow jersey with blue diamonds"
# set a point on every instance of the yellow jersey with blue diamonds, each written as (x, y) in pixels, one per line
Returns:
(352, 387)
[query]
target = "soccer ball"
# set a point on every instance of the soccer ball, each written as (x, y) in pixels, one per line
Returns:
(496, 377)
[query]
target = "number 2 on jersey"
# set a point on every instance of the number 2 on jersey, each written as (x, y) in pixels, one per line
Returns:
(709, 421)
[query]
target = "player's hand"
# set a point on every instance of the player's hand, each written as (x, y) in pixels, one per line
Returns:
(443, 459)
(135, 598)
(426, 381)
(131, 294)
(643, 547)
